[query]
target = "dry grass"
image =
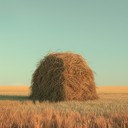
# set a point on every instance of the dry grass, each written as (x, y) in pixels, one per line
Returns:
(109, 111)
(15, 90)
(25, 90)
(112, 89)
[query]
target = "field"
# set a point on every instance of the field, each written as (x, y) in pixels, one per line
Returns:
(109, 111)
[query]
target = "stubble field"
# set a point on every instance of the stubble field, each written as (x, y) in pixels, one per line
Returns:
(109, 111)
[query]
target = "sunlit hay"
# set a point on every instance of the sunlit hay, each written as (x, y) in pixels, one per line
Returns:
(62, 77)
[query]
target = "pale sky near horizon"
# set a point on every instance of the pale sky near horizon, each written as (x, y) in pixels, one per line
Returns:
(96, 29)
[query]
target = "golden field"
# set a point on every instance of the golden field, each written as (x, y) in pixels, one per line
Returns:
(25, 90)
(109, 111)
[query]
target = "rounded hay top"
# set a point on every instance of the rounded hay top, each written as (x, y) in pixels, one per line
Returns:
(61, 77)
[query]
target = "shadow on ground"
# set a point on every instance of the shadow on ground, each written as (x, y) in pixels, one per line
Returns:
(13, 97)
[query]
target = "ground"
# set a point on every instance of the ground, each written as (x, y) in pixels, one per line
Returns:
(109, 111)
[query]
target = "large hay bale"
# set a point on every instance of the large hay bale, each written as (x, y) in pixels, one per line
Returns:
(63, 76)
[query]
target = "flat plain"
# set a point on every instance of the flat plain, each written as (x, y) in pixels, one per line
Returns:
(109, 111)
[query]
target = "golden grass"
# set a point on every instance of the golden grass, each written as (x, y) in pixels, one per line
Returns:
(109, 111)
(14, 90)
(112, 89)
(25, 90)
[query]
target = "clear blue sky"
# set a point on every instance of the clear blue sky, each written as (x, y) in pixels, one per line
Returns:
(96, 29)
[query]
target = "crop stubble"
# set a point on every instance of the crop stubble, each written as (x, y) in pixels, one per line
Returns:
(109, 111)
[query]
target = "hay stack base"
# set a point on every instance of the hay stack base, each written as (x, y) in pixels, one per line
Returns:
(62, 77)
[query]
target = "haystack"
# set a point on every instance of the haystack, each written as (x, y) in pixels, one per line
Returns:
(62, 77)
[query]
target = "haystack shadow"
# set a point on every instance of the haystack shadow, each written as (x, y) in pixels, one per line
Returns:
(14, 97)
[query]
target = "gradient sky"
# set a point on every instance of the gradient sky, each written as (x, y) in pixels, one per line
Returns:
(96, 29)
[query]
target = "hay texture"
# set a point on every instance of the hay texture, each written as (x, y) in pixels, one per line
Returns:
(62, 77)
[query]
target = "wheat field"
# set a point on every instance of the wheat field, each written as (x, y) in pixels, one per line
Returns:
(109, 111)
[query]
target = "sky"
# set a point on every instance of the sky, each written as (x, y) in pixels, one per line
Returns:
(95, 29)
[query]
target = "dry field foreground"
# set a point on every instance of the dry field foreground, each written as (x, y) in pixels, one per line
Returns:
(109, 111)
